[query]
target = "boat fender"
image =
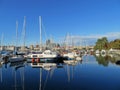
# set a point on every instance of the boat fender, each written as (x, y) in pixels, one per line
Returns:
(33, 60)
(38, 60)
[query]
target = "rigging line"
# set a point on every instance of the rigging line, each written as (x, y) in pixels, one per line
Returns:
(43, 28)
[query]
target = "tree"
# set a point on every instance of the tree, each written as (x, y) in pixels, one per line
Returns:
(115, 44)
(101, 44)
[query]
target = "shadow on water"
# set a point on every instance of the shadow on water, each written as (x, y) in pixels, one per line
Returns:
(118, 62)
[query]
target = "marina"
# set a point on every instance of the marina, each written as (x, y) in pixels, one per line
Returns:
(92, 72)
(54, 66)
(59, 45)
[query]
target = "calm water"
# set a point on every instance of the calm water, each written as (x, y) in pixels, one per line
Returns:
(93, 73)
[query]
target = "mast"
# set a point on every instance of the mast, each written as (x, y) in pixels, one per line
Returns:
(67, 41)
(2, 41)
(40, 28)
(16, 35)
(24, 32)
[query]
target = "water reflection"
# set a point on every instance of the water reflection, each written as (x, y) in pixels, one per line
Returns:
(1, 75)
(106, 59)
(73, 75)
(18, 75)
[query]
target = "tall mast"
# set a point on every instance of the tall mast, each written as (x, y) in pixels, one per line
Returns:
(40, 27)
(24, 32)
(67, 41)
(2, 41)
(16, 34)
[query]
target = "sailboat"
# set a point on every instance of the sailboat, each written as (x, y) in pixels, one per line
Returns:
(47, 54)
(17, 57)
(42, 54)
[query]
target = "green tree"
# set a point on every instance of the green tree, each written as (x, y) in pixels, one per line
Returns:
(115, 44)
(101, 44)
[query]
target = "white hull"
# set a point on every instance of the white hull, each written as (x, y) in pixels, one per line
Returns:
(97, 52)
(46, 54)
(78, 58)
(70, 55)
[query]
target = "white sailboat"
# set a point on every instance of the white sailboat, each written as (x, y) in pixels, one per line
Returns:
(17, 57)
(40, 54)
(34, 54)
(46, 54)
(68, 53)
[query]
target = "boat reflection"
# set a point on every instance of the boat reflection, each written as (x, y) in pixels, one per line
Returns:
(1, 75)
(69, 61)
(18, 67)
(49, 67)
(16, 85)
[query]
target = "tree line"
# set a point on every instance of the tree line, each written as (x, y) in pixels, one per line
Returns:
(103, 43)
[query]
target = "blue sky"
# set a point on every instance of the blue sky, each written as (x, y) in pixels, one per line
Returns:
(78, 17)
